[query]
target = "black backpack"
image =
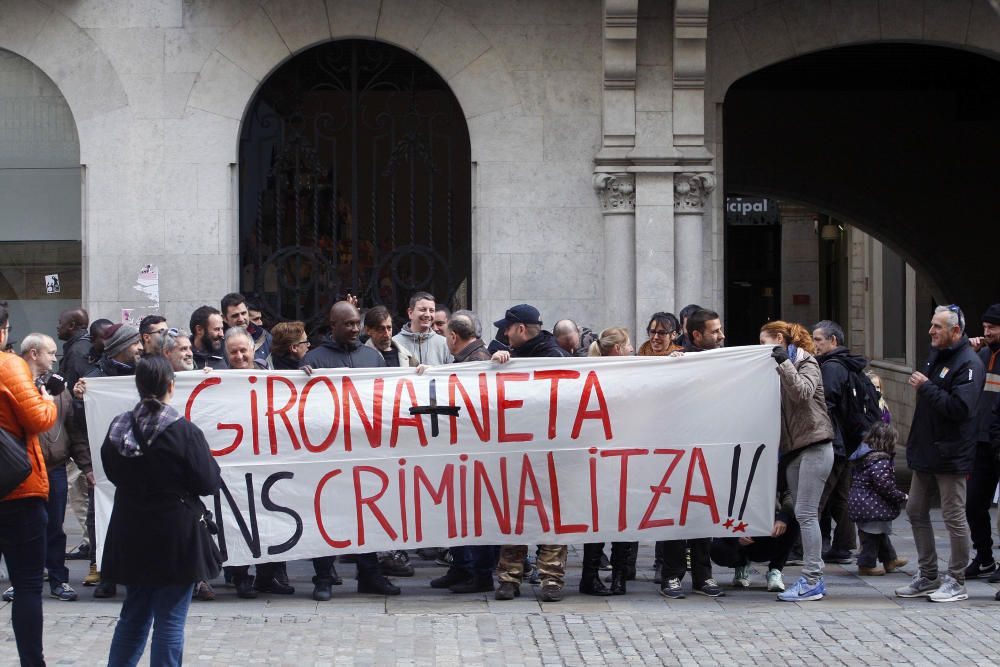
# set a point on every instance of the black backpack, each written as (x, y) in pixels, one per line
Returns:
(859, 407)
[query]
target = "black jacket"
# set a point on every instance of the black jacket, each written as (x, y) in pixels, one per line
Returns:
(151, 538)
(332, 354)
(284, 363)
(75, 363)
(943, 431)
(836, 367)
(989, 400)
(542, 345)
(208, 360)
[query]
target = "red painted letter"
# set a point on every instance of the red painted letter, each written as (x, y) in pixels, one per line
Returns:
(336, 544)
(554, 377)
(332, 434)
(592, 384)
(709, 497)
(370, 502)
(659, 490)
(503, 405)
(623, 481)
(271, 412)
(528, 476)
(414, 420)
(373, 426)
(482, 426)
(556, 509)
(447, 486)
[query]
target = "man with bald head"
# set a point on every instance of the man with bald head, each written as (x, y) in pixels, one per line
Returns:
(72, 330)
(342, 349)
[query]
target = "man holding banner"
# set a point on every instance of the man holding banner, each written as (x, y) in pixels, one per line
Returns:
(523, 327)
(342, 349)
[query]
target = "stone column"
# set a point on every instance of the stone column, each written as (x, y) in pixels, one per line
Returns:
(690, 196)
(617, 195)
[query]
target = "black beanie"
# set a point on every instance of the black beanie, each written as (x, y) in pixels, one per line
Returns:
(992, 314)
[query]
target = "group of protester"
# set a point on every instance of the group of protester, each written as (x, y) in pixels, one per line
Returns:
(836, 459)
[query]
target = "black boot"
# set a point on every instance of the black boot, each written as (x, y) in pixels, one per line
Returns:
(620, 552)
(377, 584)
(658, 563)
(630, 560)
(590, 582)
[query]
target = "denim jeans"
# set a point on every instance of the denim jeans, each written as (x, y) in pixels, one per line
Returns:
(806, 476)
(55, 546)
(22, 545)
(476, 560)
(163, 607)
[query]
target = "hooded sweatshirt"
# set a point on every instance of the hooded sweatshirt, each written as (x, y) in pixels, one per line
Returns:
(427, 348)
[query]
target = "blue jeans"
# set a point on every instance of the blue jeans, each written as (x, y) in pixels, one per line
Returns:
(477, 560)
(22, 545)
(163, 607)
(55, 548)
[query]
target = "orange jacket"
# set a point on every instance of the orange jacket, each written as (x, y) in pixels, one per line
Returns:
(25, 414)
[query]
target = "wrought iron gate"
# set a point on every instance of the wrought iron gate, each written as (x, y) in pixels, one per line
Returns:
(354, 178)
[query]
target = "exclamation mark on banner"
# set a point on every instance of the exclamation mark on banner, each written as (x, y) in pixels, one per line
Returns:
(741, 527)
(734, 478)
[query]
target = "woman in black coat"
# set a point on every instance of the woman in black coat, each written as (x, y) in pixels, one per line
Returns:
(160, 464)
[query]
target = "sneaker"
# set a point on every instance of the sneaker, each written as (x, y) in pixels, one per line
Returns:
(445, 559)
(93, 576)
(995, 577)
(63, 592)
(895, 564)
(803, 591)
(81, 552)
(977, 569)
(551, 592)
(322, 589)
(950, 591)
(203, 591)
(838, 556)
(8, 595)
(507, 590)
(672, 589)
(709, 587)
(396, 564)
(919, 587)
(741, 576)
(775, 582)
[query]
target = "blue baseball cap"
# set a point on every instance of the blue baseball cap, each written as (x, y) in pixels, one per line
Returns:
(519, 314)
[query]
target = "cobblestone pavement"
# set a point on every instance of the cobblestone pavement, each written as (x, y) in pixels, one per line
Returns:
(859, 623)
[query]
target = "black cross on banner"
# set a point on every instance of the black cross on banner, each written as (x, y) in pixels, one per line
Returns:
(434, 410)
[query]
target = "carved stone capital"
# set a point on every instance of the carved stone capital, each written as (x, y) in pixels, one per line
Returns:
(616, 192)
(691, 192)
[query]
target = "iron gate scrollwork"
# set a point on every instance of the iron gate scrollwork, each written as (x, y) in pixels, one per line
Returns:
(354, 178)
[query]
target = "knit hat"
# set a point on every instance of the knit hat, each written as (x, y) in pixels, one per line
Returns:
(992, 314)
(119, 337)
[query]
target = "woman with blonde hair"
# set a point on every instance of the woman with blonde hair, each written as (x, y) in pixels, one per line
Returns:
(613, 342)
(806, 445)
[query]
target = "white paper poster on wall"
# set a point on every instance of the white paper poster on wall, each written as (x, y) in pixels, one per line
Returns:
(536, 451)
(52, 284)
(147, 283)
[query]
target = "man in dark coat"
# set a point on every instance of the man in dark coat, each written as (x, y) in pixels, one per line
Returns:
(522, 326)
(72, 330)
(941, 450)
(343, 349)
(836, 363)
(986, 469)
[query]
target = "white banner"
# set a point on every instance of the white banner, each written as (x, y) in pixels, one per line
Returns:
(535, 451)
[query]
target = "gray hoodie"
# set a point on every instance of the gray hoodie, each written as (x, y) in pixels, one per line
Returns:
(427, 348)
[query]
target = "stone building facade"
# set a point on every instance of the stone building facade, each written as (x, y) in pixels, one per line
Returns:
(595, 130)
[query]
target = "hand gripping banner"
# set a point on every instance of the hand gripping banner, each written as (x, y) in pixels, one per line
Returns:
(535, 451)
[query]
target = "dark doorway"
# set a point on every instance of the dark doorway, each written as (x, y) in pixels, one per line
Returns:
(354, 178)
(902, 140)
(753, 267)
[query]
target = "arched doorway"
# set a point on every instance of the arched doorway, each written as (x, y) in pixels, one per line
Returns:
(901, 139)
(354, 178)
(40, 230)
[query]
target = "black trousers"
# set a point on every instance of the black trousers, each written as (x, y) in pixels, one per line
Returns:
(368, 566)
(833, 505)
(981, 485)
(674, 563)
(875, 547)
(728, 552)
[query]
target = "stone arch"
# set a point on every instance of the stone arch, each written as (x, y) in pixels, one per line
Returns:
(745, 37)
(71, 59)
(444, 37)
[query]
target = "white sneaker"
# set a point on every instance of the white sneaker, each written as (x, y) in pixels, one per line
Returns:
(741, 576)
(775, 582)
(8, 595)
(950, 591)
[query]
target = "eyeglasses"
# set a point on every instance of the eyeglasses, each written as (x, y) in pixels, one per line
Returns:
(658, 332)
(302, 342)
(961, 316)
